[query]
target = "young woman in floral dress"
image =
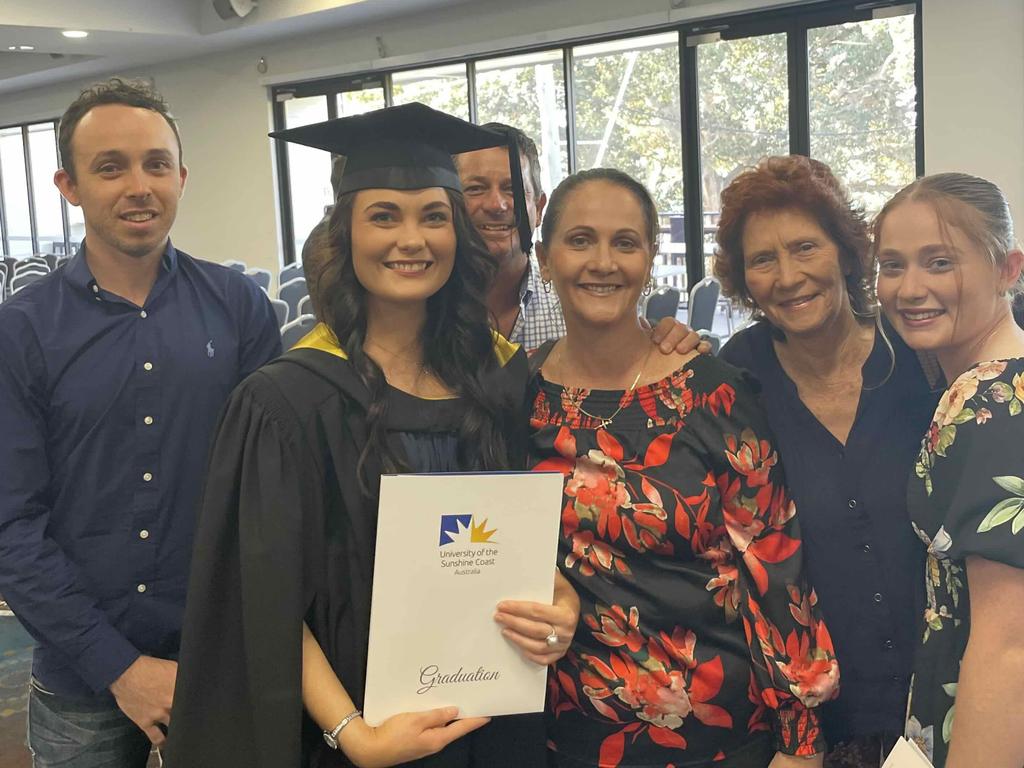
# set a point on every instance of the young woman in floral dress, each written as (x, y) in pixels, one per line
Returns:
(700, 643)
(948, 269)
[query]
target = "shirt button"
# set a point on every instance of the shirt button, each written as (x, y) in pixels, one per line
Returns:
(143, 314)
(143, 534)
(878, 597)
(95, 288)
(148, 366)
(148, 420)
(852, 503)
(147, 476)
(889, 644)
(141, 588)
(866, 547)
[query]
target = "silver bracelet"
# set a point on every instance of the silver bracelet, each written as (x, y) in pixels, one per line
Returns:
(331, 737)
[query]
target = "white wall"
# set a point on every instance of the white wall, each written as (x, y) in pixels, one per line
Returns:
(974, 92)
(974, 96)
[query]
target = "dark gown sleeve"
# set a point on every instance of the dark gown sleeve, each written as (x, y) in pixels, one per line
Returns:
(238, 696)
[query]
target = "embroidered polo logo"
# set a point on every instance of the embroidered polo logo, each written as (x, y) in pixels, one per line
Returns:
(209, 348)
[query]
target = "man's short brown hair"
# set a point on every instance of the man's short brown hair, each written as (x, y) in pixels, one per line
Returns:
(130, 93)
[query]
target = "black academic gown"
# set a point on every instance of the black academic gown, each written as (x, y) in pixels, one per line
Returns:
(286, 535)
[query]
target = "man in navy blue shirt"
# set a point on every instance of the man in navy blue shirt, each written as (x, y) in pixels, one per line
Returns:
(113, 370)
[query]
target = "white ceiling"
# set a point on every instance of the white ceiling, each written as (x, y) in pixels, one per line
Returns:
(133, 33)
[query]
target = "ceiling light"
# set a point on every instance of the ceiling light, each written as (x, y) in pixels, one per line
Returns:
(26, 47)
(74, 33)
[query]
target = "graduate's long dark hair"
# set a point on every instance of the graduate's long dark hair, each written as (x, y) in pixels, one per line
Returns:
(457, 344)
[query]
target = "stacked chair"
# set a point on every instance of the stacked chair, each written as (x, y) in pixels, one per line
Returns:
(293, 293)
(22, 272)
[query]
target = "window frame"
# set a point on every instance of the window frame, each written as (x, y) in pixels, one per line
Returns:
(794, 21)
(5, 243)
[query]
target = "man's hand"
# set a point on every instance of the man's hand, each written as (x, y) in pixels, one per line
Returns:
(144, 692)
(672, 336)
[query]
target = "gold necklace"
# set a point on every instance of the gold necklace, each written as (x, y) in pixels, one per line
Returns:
(607, 420)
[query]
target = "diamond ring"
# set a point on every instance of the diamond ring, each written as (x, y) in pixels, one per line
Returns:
(552, 639)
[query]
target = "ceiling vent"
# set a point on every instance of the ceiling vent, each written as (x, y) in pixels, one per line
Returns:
(234, 9)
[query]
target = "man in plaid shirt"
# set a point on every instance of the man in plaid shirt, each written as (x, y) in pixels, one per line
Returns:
(524, 311)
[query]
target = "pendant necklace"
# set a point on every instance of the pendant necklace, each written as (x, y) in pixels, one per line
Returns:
(607, 420)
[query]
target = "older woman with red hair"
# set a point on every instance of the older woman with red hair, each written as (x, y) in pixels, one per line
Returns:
(847, 401)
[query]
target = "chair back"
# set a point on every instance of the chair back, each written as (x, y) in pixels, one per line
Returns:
(238, 266)
(25, 277)
(290, 273)
(281, 310)
(703, 302)
(664, 302)
(305, 306)
(261, 276)
(292, 332)
(292, 293)
(30, 264)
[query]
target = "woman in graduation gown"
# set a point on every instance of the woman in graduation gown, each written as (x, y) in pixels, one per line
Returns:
(404, 375)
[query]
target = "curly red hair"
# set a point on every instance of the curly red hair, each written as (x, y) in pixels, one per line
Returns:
(793, 182)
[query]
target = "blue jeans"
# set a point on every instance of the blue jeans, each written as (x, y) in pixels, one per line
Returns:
(68, 733)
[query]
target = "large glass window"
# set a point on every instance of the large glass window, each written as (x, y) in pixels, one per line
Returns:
(33, 209)
(443, 88)
(743, 108)
(309, 169)
(528, 92)
(12, 163)
(832, 79)
(627, 112)
(628, 117)
(863, 105)
(42, 145)
(358, 102)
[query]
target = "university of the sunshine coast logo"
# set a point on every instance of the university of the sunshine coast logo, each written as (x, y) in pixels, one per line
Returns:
(463, 529)
(474, 546)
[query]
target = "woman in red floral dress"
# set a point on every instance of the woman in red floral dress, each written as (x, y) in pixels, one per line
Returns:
(699, 642)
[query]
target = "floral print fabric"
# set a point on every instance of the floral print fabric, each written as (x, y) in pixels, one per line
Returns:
(966, 498)
(698, 635)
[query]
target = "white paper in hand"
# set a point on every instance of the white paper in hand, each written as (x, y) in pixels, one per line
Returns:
(449, 549)
(906, 754)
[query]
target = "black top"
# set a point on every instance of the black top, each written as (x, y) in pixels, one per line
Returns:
(966, 499)
(863, 558)
(285, 535)
(698, 642)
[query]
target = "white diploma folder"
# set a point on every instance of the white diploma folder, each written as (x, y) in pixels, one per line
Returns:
(450, 547)
(906, 754)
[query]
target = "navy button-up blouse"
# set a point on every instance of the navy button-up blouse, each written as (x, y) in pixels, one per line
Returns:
(106, 413)
(862, 556)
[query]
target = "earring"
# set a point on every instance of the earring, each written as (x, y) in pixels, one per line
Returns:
(546, 285)
(649, 287)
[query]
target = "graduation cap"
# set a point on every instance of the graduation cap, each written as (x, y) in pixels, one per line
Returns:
(409, 147)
